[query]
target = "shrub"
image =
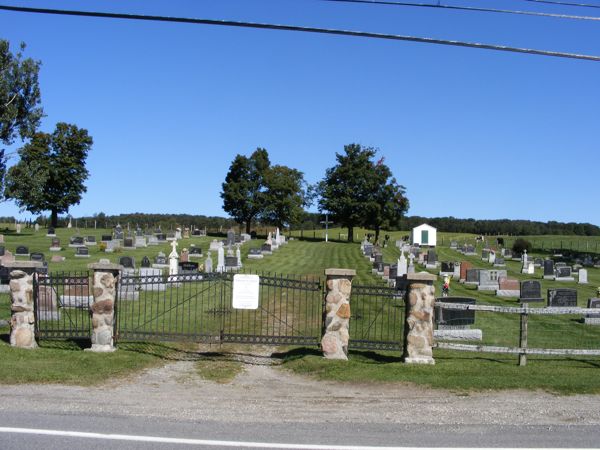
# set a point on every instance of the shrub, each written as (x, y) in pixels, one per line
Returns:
(520, 245)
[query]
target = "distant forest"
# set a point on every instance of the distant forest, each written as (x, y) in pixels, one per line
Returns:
(313, 221)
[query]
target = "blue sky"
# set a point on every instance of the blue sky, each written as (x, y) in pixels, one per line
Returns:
(469, 133)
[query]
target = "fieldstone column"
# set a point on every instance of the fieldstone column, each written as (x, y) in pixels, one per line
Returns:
(418, 328)
(103, 308)
(337, 313)
(22, 321)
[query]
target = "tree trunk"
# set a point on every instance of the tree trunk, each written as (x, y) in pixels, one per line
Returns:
(248, 223)
(54, 218)
(350, 234)
(377, 230)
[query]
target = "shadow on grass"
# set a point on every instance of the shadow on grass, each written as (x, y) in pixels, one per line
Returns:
(367, 356)
(66, 344)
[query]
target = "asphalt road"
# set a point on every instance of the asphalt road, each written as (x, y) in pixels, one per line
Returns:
(219, 434)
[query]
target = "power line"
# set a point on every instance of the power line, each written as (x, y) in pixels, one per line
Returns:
(468, 8)
(268, 26)
(553, 2)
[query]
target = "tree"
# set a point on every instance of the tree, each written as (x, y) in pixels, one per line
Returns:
(20, 113)
(51, 171)
(350, 189)
(389, 201)
(520, 245)
(285, 196)
(244, 187)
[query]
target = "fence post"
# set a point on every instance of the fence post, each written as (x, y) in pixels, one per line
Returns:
(22, 321)
(418, 327)
(523, 335)
(337, 313)
(105, 278)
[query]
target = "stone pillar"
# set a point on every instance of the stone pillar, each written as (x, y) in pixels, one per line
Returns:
(22, 321)
(418, 328)
(337, 314)
(103, 308)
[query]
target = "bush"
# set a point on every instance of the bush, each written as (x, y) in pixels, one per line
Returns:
(520, 245)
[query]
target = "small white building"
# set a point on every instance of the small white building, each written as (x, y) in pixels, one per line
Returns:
(424, 235)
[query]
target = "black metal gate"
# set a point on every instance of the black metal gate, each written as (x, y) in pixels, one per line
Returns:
(377, 320)
(62, 302)
(198, 307)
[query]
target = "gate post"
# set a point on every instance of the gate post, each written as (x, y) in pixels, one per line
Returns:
(22, 320)
(337, 313)
(105, 279)
(418, 327)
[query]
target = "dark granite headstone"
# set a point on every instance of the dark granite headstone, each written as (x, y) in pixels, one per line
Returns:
(128, 243)
(563, 272)
(454, 317)
(368, 250)
(128, 262)
(531, 291)
(266, 247)
(161, 259)
(82, 251)
(76, 240)
(36, 256)
(2, 250)
(91, 239)
(51, 230)
(562, 297)
(447, 267)
(145, 262)
(230, 238)
(161, 237)
(186, 267)
(472, 276)
(255, 251)
(393, 272)
(196, 233)
(593, 303)
(548, 268)
(195, 251)
(22, 250)
(55, 243)
(106, 238)
(431, 257)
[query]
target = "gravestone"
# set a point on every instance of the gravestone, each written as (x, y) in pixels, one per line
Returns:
(106, 238)
(563, 273)
(455, 324)
(472, 276)
(266, 249)
(453, 245)
(530, 291)
(36, 256)
(161, 237)
(230, 238)
(152, 240)
(196, 232)
(402, 265)
(82, 252)
(562, 297)
(593, 319)
(128, 243)
(171, 236)
(151, 279)
(431, 259)
(499, 262)
(51, 232)
(55, 245)
(215, 245)
(508, 253)
(583, 276)
(508, 287)
(76, 241)
(456, 273)
(90, 240)
(538, 262)
(140, 242)
(129, 284)
(128, 262)
(255, 253)
(485, 254)
(22, 250)
(368, 250)
(231, 262)
(492, 257)
(184, 256)
(548, 269)
(195, 252)
(161, 261)
(464, 266)
(489, 279)
(470, 250)
(188, 267)
(208, 264)
(47, 303)
(145, 262)
(76, 293)
(393, 272)
(57, 258)
(447, 268)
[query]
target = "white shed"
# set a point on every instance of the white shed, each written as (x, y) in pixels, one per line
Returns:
(424, 235)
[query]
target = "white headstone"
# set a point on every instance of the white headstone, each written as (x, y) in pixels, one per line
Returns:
(277, 237)
(402, 265)
(208, 263)
(18, 227)
(173, 259)
(238, 255)
(220, 260)
(583, 276)
(37, 227)
(69, 225)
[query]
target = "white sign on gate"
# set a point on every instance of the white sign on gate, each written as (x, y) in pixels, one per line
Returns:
(245, 291)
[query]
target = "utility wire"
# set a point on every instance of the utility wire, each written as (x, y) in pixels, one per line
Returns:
(268, 26)
(552, 2)
(468, 8)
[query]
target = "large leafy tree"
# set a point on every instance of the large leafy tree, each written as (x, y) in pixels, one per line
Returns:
(389, 203)
(20, 113)
(285, 196)
(244, 188)
(358, 191)
(51, 172)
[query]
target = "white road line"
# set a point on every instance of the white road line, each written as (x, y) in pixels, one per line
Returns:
(214, 443)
